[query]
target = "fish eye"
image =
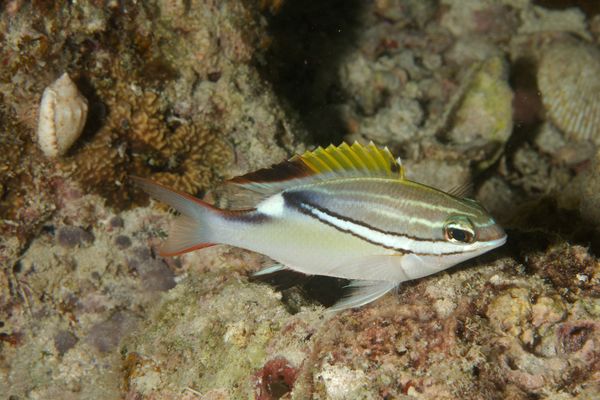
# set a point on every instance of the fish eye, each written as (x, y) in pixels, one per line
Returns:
(459, 229)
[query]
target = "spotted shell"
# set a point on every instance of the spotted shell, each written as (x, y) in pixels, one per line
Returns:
(62, 115)
(569, 81)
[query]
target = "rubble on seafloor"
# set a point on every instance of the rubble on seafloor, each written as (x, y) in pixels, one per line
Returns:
(189, 93)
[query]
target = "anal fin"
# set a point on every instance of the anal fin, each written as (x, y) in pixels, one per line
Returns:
(279, 276)
(362, 292)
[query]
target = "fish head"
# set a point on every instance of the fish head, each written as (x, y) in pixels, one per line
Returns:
(459, 237)
(474, 231)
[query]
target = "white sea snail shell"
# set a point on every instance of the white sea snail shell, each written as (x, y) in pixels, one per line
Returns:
(62, 115)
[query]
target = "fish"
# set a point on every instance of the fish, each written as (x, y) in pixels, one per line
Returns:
(344, 211)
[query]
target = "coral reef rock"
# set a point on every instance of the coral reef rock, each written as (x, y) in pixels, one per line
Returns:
(184, 109)
(189, 93)
(486, 109)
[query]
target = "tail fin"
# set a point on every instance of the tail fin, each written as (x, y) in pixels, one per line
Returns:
(189, 230)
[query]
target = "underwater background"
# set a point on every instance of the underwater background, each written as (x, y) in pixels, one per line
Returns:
(504, 94)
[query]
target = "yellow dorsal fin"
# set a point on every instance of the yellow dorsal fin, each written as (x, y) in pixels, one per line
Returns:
(341, 161)
(353, 160)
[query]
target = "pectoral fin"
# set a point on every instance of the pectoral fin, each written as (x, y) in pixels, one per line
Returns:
(361, 293)
(269, 270)
(382, 267)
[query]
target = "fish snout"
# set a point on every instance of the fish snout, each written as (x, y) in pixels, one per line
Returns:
(492, 236)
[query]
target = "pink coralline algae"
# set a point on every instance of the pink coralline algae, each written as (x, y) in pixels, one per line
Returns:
(275, 379)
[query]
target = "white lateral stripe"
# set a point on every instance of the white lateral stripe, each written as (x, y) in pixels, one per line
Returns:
(402, 243)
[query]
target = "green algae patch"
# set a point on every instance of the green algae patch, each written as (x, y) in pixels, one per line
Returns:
(209, 333)
(486, 109)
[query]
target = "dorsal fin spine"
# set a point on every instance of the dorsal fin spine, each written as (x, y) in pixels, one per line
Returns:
(342, 154)
(336, 165)
(371, 152)
(382, 161)
(343, 161)
(364, 154)
(398, 161)
(328, 159)
(337, 158)
(316, 163)
(356, 157)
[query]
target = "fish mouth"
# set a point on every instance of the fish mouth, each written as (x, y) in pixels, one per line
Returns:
(491, 236)
(492, 244)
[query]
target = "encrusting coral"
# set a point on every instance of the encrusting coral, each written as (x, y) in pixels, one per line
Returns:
(12, 148)
(137, 139)
(130, 129)
(20, 178)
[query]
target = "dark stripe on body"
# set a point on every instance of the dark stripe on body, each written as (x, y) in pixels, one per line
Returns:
(300, 201)
(396, 206)
(250, 216)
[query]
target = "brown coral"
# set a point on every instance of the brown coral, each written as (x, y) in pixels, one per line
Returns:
(25, 184)
(570, 268)
(130, 129)
(11, 147)
(137, 139)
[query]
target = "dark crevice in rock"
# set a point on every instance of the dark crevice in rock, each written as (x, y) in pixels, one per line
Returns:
(310, 39)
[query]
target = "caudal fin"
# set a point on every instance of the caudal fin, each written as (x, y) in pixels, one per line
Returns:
(191, 230)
